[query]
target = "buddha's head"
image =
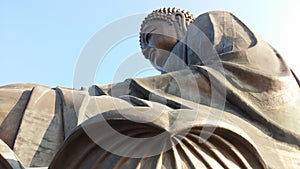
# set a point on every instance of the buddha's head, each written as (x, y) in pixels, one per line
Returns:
(160, 31)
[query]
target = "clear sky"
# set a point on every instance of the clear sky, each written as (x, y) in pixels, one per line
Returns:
(42, 41)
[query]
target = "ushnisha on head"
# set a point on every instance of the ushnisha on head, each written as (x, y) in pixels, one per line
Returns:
(160, 31)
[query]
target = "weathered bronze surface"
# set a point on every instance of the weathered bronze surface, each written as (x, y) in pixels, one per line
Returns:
(226, 99)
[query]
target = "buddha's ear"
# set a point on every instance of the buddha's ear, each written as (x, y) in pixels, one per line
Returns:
(181, 25)
(180, 18)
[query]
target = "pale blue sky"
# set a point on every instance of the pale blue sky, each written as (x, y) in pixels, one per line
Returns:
(41, 41)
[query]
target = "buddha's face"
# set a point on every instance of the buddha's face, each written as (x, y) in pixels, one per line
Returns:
(157, 40)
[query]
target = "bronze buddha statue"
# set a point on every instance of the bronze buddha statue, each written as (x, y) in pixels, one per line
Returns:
(225, 99)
